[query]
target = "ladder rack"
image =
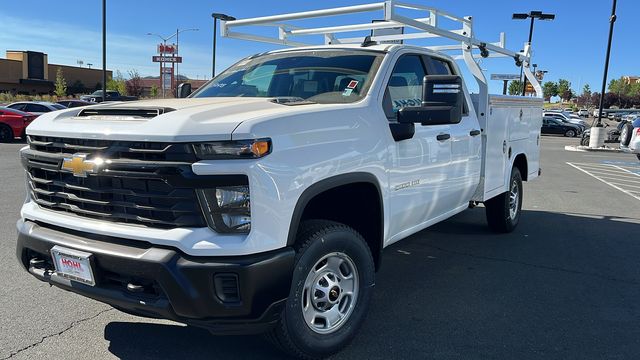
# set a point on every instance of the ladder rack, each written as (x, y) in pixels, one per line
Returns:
(464, 45)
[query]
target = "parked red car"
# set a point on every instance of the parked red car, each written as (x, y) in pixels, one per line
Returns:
(13, 123)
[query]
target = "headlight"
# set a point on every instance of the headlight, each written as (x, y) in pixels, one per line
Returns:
(227, 209)
(238, 149)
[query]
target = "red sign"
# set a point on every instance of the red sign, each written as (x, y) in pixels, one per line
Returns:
(168, 59)
(167, 49)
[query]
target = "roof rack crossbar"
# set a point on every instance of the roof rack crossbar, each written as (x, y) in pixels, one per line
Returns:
(422, 27)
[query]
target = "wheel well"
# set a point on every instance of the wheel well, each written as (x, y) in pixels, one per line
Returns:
(358, 205)
(521, 163)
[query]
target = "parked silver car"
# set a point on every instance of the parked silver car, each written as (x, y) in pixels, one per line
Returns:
(36, 107)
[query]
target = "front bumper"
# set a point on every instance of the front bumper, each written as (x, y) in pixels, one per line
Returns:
(161, 282)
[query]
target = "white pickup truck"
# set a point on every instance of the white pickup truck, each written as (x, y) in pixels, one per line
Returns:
(263, 201)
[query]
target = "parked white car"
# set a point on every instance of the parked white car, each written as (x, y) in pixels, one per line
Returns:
(583, 113)
(630, 137)
(263, 201)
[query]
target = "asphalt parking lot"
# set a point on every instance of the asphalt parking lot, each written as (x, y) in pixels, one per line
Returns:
(564, 285)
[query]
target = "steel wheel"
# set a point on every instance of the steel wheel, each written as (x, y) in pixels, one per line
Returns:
(330, 293)
(514, 199)
(570, 133)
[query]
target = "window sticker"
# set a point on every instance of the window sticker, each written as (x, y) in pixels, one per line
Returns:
(352, 84)
(347, 92)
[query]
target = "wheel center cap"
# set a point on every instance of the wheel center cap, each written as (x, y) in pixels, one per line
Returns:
(334, 293)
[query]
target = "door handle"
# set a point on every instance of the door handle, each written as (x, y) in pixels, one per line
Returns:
(474, 132)
(443, 137)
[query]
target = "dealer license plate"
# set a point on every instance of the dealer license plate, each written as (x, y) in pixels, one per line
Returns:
(73, 264)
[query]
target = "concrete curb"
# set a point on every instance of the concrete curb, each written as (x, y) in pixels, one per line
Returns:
(586, 149)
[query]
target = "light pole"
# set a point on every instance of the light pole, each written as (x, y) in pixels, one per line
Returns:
(612, 21)
(178, 31)
(533, 15)
(215, 17)
(104, 50)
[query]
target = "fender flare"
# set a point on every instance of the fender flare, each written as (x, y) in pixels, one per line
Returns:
(327, 184)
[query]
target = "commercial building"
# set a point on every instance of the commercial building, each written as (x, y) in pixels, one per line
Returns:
(631, 79)
(29, 73)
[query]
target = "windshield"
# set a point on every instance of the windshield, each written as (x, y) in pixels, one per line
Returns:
(323, 76)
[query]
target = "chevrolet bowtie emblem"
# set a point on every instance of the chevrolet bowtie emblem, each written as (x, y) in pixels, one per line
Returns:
(79, 165)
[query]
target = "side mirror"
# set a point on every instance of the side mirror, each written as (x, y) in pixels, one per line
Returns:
(442, 102)
(184, 90)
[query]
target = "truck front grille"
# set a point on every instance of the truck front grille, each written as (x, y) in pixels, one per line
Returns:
(139, 183)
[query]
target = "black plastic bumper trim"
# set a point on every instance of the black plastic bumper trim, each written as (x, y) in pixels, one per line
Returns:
(185, 287)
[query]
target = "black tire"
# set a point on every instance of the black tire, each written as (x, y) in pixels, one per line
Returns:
(6, 134)
(638, 156)
(584, 141)
(570, 133)
(625, 134)
(317, 239)
(498, 209)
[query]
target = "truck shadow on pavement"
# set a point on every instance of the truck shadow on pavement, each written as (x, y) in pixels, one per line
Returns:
(456, 290)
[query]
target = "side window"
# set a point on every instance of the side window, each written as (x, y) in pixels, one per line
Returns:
(18, 107)
(405, 85)
(441, 67)
(36, 108)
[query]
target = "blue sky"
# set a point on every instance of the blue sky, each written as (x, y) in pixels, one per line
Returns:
(571, 47)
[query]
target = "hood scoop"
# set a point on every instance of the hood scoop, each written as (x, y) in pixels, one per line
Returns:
(124, 113)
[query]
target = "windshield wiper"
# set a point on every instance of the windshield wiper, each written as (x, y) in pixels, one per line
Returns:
(292, 100)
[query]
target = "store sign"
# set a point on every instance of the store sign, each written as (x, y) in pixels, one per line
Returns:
(168, 59)
(167, 49)
(505, 77)
(167, 70)
(166, 81)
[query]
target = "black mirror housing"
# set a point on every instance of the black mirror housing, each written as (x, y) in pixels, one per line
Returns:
(183, 90)
(442, 102)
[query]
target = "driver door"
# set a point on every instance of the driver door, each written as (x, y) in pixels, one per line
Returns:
(419, 166)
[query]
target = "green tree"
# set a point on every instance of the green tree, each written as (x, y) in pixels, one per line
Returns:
(515, 87)
(549, 90)
(586, 90)
(117, 83)
(564, 89)
(61, 84)
(154, 90)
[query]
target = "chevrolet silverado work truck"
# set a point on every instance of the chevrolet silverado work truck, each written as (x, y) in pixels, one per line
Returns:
(262, 202)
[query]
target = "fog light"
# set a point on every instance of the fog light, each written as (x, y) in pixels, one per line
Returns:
(227, 209)
(233, 196)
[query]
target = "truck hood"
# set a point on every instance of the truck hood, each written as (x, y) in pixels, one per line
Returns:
(178, 120)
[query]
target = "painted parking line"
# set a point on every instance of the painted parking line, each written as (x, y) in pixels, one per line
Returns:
(615, 175)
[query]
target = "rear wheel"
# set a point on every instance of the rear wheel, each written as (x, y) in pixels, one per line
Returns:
(330, 292)
(638, 156)
(625, 134)
(6, 134)
(570, 133)
(503, 211)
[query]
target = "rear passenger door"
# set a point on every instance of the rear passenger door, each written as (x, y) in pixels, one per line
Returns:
(466, 145)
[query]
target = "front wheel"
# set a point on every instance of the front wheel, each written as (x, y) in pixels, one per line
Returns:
(330, 292)
(503, 211)
(638, 156)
